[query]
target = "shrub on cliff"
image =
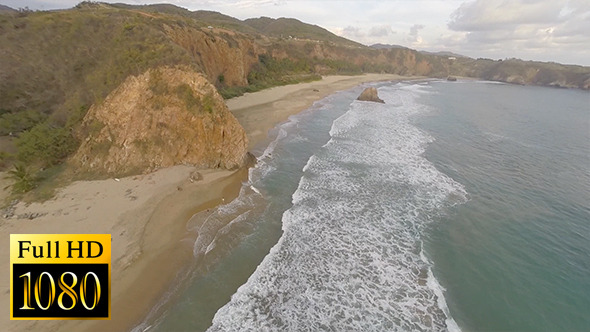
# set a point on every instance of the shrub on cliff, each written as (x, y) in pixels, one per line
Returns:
(45, 145)
(24, 179)
(269, 72)
(16, 122)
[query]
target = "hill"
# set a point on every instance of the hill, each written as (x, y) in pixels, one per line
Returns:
(4, 9)
(445, 54)
(162, 8)
(386, 46)
(223, 21)
(293, 28)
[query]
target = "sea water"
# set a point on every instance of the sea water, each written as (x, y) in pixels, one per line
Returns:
(453, 206)
(516, 256)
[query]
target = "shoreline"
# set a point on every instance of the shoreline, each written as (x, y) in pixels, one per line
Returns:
(147, 214)
(259, 112)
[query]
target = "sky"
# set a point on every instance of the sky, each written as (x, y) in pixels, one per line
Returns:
(542, 30)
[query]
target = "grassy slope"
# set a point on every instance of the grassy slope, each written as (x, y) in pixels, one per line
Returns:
(59, 62)
(219, 20)
(290, 27)
(54, 65)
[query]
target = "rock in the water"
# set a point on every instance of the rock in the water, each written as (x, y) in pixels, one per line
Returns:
(164, 117)
(370, 94)
(451, 79)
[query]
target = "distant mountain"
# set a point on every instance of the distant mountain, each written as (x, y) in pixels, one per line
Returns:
(386, 46)
(224, 21)
(161, 8)
(445, 54)
(441, 54)
(292, 28)
(4, 9)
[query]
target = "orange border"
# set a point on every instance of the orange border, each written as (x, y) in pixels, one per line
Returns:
(104, 239)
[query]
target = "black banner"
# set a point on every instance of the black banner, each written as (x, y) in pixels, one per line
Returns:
(74, 291)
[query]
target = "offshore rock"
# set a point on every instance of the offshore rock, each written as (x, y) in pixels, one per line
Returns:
(370, 94)
(164, 117)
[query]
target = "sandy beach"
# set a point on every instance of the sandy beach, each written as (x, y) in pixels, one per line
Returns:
(147, 214)
(259, 112)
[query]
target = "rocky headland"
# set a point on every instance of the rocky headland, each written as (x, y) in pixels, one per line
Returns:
(164, 117)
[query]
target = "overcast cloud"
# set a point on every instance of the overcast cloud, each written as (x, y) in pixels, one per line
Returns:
(545, 30)
(527, 29)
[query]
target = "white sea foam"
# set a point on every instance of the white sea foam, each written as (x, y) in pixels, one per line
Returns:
(350, 258)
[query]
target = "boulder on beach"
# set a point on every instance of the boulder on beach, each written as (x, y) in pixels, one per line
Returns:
(370, 94)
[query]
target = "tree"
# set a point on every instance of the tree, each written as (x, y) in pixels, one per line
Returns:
(24, 180)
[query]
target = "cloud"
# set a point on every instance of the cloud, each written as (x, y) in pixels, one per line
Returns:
(381, 31)
(483, 15)
(560, 16)
(353, 32)
(256, 3)
(527, 28)
(414, 38)
(414, 30)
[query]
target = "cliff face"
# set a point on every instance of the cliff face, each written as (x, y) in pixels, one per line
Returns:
(395, 61)
(221, 53)
(534, 73)
(164, 117)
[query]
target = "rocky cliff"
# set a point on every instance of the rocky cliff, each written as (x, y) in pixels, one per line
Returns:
(225, 56)
(164, 117)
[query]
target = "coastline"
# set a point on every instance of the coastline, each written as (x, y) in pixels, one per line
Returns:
(147, 214)
(261, 111)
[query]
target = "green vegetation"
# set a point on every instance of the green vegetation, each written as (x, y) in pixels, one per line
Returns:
(223, 21)
(159, 87)
(186, 95)
(45, 145)
(79, 56)
(292, 28)
(47, 181)
(193, 103)
(208, 103)
(24, 179)
(269, 72)
(157, 84)
(17, 122)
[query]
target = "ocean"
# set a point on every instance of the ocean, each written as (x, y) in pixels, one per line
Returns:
(454, 206)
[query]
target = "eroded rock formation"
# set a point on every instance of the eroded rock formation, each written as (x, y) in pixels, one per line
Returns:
(164, 117)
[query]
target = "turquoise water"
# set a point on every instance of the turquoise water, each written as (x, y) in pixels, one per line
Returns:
(454, 206)
(516, 256)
